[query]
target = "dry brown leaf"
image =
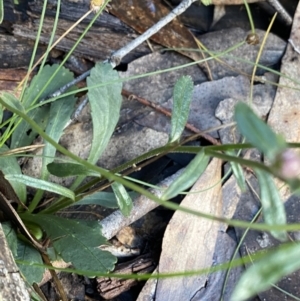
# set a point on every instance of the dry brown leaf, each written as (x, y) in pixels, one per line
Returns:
(189, 241)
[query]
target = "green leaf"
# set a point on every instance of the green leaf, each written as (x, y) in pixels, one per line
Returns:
(257, 132)
(272, 206)
(238, 172)
(1, 11)
(123, 198)
(294, 185)
(39, 82)
(12, 101)
(34, 230)
(105, 199)
(101, 198)
(1, 111)
(60, 113)
(269, 270)
(41, 184)
(105, 104)
(77, 242)
(27, 253)
(70, 169)
(192, 172)
(10, 165)
(11, 237)
(182, 98)
(206, 2)
(23, 135)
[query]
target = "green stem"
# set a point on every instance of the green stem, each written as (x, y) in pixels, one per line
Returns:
(112, 177)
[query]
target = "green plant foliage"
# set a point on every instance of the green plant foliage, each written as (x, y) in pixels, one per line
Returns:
(70, 169)
(9, 165)
(294, 185)
(41, 184)
(272, 206)
(1, 112)
(60, 113)
(182, 97)
(102, 198)
(1, 11)
(105, 101)
(269, 270)
(23, 135)
(76, 242)
(192, 172)
(123, 198)
(257, 132)
(238, 172)
(105, 104)
(11, 100)
(11, 237)
(206, 2)
(29, 254)
(34, 229)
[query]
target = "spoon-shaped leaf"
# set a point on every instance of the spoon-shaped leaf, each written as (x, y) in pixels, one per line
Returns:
(272, 206)
(182, 97)
(257, 132)
(269, 270)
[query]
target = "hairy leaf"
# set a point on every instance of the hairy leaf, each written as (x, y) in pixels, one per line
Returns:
(257, 132)
(105, 101)
(269, 270)
(70, 169)
(105, 106)
(10, 165)
(41, 184)
(60, 113)
(238, 172)
(11, 237)
(28, 253)
(182, 98)
(77, 242)
(272, 206)
(12, 101)
(101, 198)
(23, 135)
(1, 11)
